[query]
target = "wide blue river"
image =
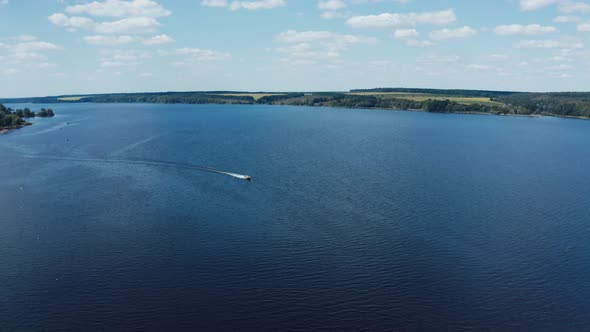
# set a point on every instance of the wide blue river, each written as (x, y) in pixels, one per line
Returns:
(354, 220)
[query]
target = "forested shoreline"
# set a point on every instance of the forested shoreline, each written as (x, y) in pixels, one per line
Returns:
(570, 104)
(15, 119)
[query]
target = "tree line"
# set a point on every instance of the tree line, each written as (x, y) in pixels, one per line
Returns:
(13, 119)
(561, 104)
(442, 92)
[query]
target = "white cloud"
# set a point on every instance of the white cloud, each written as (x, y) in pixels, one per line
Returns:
(418, 43)
(475, 66)
(574, 7)
(120, 60)
(410, 36)
(308, 54)
(404, 34)
(438, 59)
(28, 53)
(34, 47)
(444, 34)
(331, 4)
(293, 36)
(566, 19)
(385, 20)
(109, 40)
(584, 27)
(130, 25)
(198, 54)
(214, 3)
(158, 40)
(311, 47)
(120, 8)
(251, 5)
(528, 5)
(496, 57)
(260, 4)
(24, 38)
(133, 17)
(565, 6)
(73, 22)
(519, 29)
(570, 43)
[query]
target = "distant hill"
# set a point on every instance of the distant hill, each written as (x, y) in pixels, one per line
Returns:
(451, 92)
(572, 104)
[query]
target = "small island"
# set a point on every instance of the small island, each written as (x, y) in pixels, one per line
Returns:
(15, 119)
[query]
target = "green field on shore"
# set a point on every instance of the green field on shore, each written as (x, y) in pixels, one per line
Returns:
(428, 96)
(76, 98)
(256, 96)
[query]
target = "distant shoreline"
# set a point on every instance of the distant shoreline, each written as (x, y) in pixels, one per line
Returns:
(6, 130)
(572, 105)
(424, 111)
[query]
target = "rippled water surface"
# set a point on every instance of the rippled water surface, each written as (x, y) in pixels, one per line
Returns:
(354, 219)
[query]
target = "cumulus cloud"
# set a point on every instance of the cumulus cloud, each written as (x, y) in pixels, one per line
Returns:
(293, 36)
(29, 52)
(109, 40)
(331, 5)
(158, 40)
(130, 25)
(34, 46)
(73, 22)
(198, 54)
(406, 34)
(566, 43)
(251, 5)
(419, 43)
(120, 59)
(444, 34)
(566, 19)
(120, 8)
(519, 29)
(528, 5)
(574, 7)
(565, 6)
(310, 47)
(385, 20)
(215, 3)
(410, 37)
(476, 66)
(134, 16)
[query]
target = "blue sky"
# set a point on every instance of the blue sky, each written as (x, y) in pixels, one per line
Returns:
(50, 47)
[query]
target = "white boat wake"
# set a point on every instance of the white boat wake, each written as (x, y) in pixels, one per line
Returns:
(143, 162)
(239, 176)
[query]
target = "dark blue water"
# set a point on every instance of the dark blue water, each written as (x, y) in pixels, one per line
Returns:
(373, 220)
